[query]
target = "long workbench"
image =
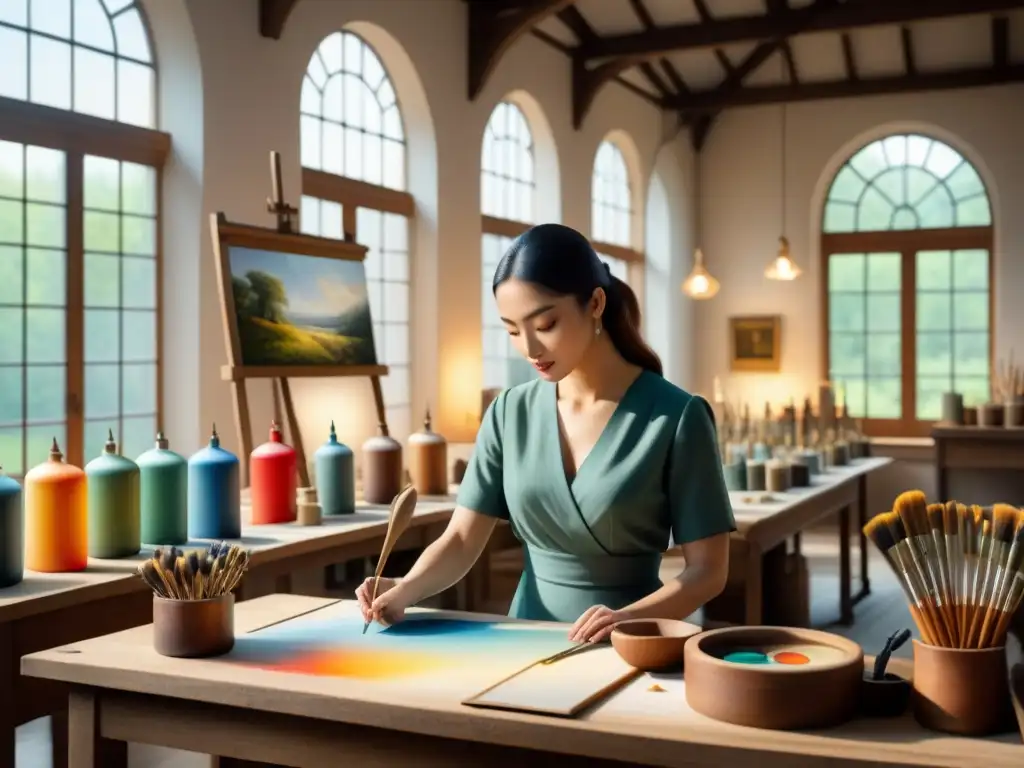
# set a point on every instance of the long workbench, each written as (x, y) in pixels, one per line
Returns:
(47, 610)
(121, 691)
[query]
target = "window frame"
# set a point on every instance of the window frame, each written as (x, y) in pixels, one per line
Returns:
(631, 257)
(77, 135)
(908, 243)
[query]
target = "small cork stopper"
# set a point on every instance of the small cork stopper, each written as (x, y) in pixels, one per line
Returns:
(275, 432)
(55, 454)
(334, 433)
(161, 441)
(111, 445)
(214, 437)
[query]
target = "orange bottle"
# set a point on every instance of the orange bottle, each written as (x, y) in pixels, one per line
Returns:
(56, 522)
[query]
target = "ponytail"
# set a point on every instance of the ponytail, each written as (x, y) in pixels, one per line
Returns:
(621, 319)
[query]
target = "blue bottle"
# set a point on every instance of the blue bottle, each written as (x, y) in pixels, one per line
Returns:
(214, 493)
(335, 470)
(12, 533)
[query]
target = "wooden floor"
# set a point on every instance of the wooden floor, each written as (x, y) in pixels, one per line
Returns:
(877, 617)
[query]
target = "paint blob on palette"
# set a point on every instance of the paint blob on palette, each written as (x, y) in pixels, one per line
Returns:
(786, 657)
(428, 648)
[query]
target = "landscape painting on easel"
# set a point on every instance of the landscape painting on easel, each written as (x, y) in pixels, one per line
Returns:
(294, 309)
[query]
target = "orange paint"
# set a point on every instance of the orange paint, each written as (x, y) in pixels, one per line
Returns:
(790, 657)
(56, 523)
(362, 664)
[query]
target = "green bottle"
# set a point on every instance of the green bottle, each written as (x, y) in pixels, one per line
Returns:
(164, 495)
(113, 494)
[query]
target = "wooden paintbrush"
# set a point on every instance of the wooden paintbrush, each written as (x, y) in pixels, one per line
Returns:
(981, 577)
(969, 524)
(951, 527)
(937, 554)
(1008, 524)
(911, 510)
(879, 531)
(403, 506)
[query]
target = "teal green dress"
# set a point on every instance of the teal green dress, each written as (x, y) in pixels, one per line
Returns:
(598, 539)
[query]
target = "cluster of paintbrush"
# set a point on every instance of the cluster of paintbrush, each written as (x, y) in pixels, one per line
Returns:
(961, 567)
(196, 575)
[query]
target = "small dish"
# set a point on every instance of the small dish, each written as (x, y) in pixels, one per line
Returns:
(652, 644)
(888, 697)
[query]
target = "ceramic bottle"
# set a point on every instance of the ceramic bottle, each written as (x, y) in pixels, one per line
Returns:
(164, 495)
(273, 481)
(56, 520)
(428, 461)
(335, 470)
(214, 493)
(113, 503)
(12, 533)
(382, 468)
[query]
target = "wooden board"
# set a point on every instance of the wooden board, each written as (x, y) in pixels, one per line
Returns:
(481, 660)
(563, 688)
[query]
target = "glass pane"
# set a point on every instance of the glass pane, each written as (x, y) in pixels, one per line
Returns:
(102, 391)
(45, 175)
(505, 138)
(50, 72)
(135, 93)
(44, 225)
(138, 235)
(934, 311)
(971, 354)
(102, 280)
(13, 62)
(847, 355)
(846, 272)
(102, 232)
(102, 336)
(884, 271)
(846, 312)
(139, 282)
(856, 396)
(936, 209)
(45, 393)
(137, 435)
(891, 185)
(934, 270)
(874, 213)
(970, 312)
(973, 212)
(847, 186)
(883, 312)
(975, 389)
(138, 332)
(12, 339)
(101, 179)
(10, 439)
(884, 358)
(870, 161)
(47, 277)
(139, 393)
(934, 354)
(44, 331)
(965, 182)
(929, 396)
(839, 217)
(970, 270)
(12, 271)
(95, 92)
(10, 396)
(95, 436)
(38, 440)
(884, 398)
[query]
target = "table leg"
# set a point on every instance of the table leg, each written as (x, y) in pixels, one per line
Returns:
(753, 597)
(7, 673)
(86, 748)
(845, 575)
(862, 520)
(59, 738)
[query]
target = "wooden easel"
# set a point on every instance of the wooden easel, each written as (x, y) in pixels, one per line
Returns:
(284, 238)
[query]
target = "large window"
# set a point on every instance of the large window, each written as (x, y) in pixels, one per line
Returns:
(79, 230)
(907, 237)
(611, 206)
(353, 181)
(508, 187)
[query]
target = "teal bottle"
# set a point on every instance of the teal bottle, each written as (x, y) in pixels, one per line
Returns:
(214, 493)
(12, 533)
(334, 464)
(164, 496)
(112, 483)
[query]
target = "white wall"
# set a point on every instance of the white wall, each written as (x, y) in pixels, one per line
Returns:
(249, 105)
(741, 212)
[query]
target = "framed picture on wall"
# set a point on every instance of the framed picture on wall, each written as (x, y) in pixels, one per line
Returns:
(755, 343)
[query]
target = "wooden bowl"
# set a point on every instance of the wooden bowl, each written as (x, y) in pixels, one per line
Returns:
(652, 644)
(754, 676)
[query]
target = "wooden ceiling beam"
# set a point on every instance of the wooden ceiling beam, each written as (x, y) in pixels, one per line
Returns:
(1000, 42)
(852, 14)
(666, 66)
(273, 15)
(714, 101)
(849, 58)
(495, 26)
(907, 44)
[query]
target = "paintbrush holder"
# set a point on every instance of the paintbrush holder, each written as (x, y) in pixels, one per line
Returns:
(952, 408)
(991, 415)
(888, 697)
(194, 629)
(961, 691)
(1015, 414)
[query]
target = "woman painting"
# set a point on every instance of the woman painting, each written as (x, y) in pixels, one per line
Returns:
(594, 464)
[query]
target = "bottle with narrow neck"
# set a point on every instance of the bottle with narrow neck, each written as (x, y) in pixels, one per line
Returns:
(273, 481)
(56, 519)
(164, 495)
(12, 533)
(334, 468)
(214, 493)
(428, 460)
(113, 504)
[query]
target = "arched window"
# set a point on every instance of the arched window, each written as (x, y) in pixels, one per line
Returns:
(611, 206)
(508, 190)
(907, 234)
(79, 221)
(353, 183)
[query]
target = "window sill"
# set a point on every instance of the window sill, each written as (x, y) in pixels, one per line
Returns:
(904, 448)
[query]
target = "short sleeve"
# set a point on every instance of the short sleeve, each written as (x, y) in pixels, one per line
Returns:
(698, 498)
(482, 488)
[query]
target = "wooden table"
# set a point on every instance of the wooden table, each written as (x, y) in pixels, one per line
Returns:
(762, 526)
(980, 448)
(121, 691)
(47, 610)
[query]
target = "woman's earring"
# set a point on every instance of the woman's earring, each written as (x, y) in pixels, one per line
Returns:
(597, 329)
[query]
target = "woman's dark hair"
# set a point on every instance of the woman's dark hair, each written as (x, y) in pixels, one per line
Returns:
(562, 261)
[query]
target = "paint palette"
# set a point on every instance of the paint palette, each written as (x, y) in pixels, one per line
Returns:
(774, 677)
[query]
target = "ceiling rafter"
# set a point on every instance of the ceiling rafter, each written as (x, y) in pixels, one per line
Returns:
(1000, 42)
(273, 14)
(853, 14)
(849, 59)
(705, 17)
(907, 46)
(646, 67)
(494, 25)
(715, 101)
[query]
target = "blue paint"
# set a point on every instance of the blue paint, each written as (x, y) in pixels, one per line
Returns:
(12, 533)
(747, 657)
(214, 493)
(335, 471)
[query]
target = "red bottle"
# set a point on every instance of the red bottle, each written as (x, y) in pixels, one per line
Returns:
(273, 472)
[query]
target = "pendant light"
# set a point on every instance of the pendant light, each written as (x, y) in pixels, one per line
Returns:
(699, 284)
(782, 267)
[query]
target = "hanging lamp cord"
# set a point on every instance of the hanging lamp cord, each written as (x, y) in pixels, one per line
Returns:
(783, 156)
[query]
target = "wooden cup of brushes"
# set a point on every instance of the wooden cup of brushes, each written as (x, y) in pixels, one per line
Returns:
(962, 571)
(193, 599)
